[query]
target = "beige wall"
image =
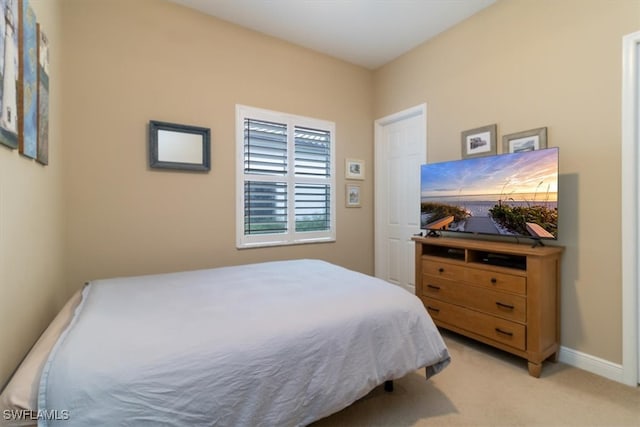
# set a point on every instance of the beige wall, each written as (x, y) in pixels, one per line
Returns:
(129, 62)
(32, 286)
(525, 64)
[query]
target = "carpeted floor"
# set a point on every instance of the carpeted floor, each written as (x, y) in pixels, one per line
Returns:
(486, 387)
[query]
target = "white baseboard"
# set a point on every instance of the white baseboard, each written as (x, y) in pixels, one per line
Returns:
(589, 363)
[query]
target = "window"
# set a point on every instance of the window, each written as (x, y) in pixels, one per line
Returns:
(285, 179)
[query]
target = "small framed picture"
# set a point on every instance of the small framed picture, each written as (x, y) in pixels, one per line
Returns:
(479, 142)
(354, 169)
(353, 196)
(527, 140)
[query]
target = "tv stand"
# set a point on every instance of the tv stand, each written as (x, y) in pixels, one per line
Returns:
(537, 242)
(503, 294)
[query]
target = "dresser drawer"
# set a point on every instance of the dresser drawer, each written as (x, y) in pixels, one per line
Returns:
(438, 268)
(495, 280)
(501, 304)
(501, 330)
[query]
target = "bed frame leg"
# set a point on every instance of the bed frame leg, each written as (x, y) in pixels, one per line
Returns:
(388, 386)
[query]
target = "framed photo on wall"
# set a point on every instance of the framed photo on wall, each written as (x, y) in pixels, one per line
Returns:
(353, 196)
(354, 169)
(28, 81)
(9, 75)
(43, 97)
(479, 141)
(528, 140)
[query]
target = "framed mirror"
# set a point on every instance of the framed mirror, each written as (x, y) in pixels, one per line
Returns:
(175, 146)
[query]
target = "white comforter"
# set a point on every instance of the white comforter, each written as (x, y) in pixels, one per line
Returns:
(274, 344)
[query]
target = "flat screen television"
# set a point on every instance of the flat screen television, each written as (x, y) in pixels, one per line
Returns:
(514, 194)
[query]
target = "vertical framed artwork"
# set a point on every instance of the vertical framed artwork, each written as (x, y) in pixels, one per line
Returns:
(354, 169)
(479, 142)
(43, 97)
(528, 140)
(9, 70)
(28, 81)
(353, 196)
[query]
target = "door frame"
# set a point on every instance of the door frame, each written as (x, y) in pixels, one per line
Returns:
(630, 208)
(380, 199)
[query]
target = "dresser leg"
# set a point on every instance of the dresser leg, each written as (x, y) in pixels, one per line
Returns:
(535, 369)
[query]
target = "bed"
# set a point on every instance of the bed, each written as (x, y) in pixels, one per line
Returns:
(279, 343)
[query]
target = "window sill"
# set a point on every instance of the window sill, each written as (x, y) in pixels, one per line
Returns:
(285, 243)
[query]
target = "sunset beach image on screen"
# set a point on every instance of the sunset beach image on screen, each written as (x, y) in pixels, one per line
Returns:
(513, 194)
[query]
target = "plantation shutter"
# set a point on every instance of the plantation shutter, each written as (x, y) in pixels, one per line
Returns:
(287, 182)
(265, 147)
(265, 153)
(265, 207)
(313, 152)
(312, 159)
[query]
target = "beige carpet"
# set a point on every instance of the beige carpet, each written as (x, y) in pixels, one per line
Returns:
(487, 387)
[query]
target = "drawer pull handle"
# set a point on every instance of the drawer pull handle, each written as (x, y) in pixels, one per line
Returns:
(440, 270)
(436, 310)
(503, 305)
(500, 331)
(494, 280)
(434, 287)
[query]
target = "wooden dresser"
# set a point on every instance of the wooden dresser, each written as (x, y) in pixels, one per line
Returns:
(504, 294)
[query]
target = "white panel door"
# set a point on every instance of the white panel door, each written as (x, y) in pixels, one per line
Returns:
(401, 148)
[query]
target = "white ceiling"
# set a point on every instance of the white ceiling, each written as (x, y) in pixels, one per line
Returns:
(369, 33)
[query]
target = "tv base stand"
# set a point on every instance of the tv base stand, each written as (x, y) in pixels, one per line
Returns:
(537, 242)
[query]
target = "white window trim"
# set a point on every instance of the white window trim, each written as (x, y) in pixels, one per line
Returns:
(292, 237)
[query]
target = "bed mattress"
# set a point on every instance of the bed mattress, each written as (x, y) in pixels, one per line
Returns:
(279, 343)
